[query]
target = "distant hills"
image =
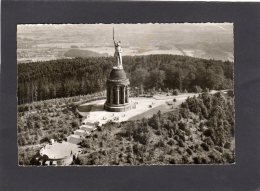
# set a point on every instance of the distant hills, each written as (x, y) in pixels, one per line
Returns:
(50, 42)
(83, 53)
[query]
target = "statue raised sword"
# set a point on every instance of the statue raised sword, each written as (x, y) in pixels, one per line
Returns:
(118, 53)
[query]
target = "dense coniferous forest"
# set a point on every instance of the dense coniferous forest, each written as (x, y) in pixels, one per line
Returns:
(201, 131)
(80, 76)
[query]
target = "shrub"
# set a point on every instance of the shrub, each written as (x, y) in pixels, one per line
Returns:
(227, 145)
(204, 146)
(209, 141)
(197, 160)
(197, 89)
(45, 139)
(175, 92)
(160, 143)
(230, 93)
(154, 122)
(23, 108)
(172, 161)
(189, 151)
(208, 132)
(206, 90)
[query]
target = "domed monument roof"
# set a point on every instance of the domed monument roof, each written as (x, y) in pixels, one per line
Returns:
(117, 74)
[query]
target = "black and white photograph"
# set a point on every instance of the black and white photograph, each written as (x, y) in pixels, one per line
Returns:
(125, 94)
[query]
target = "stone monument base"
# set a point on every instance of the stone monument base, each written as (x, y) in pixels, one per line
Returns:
(117, 108)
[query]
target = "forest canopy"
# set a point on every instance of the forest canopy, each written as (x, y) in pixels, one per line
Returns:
(201, 131)
(80, 76)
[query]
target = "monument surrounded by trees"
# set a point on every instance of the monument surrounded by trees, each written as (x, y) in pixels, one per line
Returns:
(172, 101)
(117, 84)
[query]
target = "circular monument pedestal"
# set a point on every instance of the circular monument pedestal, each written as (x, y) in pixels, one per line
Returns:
(117, 91)
(117, 108)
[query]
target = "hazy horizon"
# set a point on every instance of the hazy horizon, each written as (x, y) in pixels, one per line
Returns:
(52, 41)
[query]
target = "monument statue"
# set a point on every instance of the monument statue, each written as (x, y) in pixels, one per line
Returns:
(118, 85)
(118, 53)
